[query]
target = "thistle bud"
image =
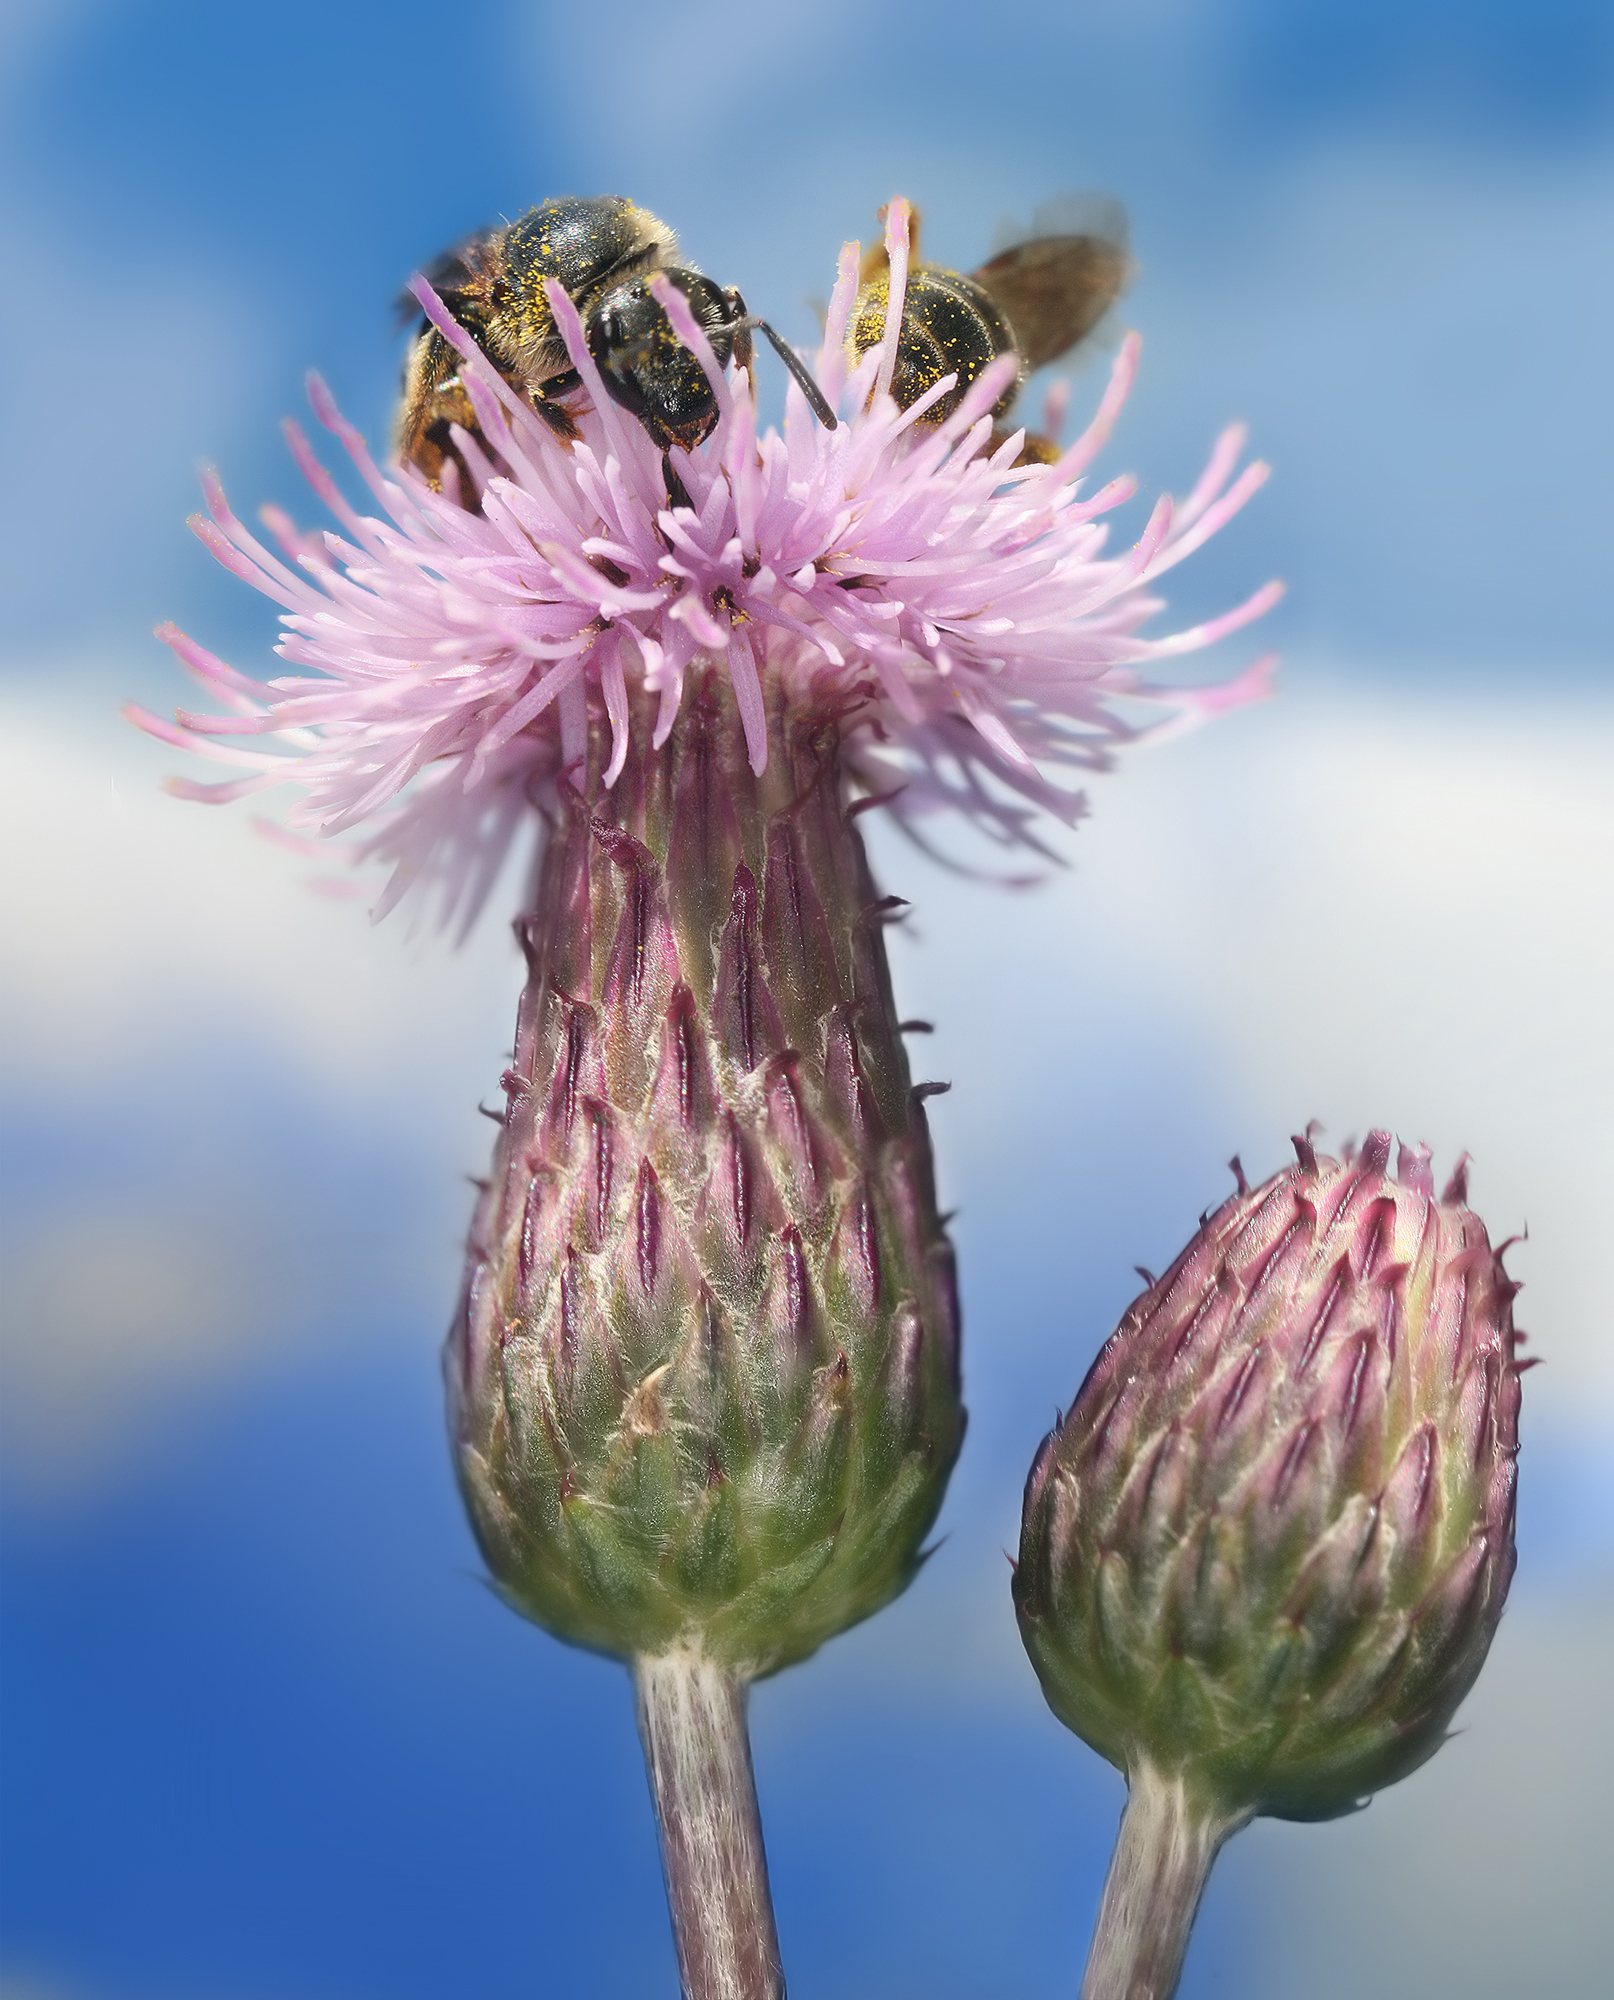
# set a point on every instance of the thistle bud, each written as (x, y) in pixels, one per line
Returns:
(704, 1381)
(1263, 1557)
(1269, 1546)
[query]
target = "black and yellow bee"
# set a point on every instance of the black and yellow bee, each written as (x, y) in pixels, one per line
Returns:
(604, 250)
(1036, 300)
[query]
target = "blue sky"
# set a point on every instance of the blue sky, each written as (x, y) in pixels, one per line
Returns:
(264, 1732)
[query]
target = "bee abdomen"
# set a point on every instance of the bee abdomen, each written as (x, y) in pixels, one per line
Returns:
(950, 325)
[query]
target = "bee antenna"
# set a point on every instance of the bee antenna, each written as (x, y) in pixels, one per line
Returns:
(798, 368)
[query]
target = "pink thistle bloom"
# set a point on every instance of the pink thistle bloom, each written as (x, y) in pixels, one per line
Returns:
(961, 606)
(703, 1384)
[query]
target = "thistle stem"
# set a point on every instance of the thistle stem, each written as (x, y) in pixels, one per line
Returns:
(1163, 1856)
(698, 1756)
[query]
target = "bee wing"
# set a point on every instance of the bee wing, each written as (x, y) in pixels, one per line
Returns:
(1057, 285)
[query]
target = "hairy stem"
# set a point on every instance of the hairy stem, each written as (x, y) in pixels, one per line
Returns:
(1163, 1855)
(698, 1756)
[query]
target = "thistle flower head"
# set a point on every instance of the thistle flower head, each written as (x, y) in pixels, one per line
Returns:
(450, 649)
(704, 1382)
(1267, 1549)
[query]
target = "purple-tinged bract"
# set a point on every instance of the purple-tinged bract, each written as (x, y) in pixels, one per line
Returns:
(1267, 1549)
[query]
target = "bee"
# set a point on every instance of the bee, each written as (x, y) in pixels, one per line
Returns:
(604, 250)
(1036, 299)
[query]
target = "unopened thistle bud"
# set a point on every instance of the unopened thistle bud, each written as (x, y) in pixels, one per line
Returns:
(1264, 1555)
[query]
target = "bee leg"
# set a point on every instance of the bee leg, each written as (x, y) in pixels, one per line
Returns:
(742, 350)
(559, 420)
(440, 459)
(551, 411)
(677, 491)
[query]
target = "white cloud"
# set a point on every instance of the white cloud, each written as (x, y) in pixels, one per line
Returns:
(131, 917)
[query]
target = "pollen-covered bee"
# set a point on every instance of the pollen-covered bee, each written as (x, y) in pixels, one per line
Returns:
(604, 250)
(1036, 299)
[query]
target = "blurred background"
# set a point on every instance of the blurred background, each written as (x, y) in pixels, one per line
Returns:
(265, 1733)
